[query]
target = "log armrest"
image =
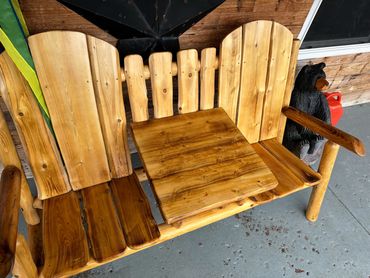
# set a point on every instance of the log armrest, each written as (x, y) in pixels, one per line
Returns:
(330, 132)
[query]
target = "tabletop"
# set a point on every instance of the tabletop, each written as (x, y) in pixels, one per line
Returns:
(199, 161)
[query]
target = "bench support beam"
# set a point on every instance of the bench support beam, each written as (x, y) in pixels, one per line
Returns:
(325, 169)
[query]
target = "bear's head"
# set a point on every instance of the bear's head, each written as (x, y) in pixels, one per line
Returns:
(311, 78)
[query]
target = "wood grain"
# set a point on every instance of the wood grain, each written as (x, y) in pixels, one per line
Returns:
(326, 166)
(160, 66)
(207, 78)
(289, 87)
(64, 238)
(9, 156)
(139, 226)
(135, 78)
(104, 229)
(105, 68)
(188, 81)
(38, 143)
(334, 134)
(255, 60)
(69, 94)
(24, 265)
(198, 170)
(304, 172)
(10, 193)
(280, 51)
(229, 72)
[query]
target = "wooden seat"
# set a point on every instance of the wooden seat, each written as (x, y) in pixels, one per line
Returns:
(204, 166)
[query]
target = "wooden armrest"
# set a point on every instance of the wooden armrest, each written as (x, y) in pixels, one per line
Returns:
(10, 194)
(330, 132)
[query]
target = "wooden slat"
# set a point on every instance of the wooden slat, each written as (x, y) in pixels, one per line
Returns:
(199, 161)
(207, 78)
(304, 172)
(10, 193)
(24, 265)
(9, 156)
(289, 86)
(105, 68)
(330, 132)
(69, 94)
(40, 148)
(64, 238)
(104, 229)
(135, 78)
(256, 46)
(160, 65)
(229, 72)
(280, 51)
(188, 80)
(139, 226)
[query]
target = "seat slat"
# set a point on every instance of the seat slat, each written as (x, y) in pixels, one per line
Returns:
(38, 143)
(64, 238)
(107, 82)
(280, 51)
(104, 229)
(160, 66)
(256, 46)
(207, 78)
(136, 87)
(229, 72)
(304, 172)
(139, 226)
(69, 94)
(188, 80)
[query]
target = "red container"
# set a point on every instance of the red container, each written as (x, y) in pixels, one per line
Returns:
(335, 105)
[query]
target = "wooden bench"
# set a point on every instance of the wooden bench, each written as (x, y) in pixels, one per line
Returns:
(213, 163)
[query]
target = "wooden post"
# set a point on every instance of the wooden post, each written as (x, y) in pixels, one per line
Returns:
(318, 192)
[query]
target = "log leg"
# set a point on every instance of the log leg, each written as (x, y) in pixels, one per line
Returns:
(318, 192)
(24, 265)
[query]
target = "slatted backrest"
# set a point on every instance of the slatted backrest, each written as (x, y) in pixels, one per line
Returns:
(256, 95)
(81, 80)
(256, 68)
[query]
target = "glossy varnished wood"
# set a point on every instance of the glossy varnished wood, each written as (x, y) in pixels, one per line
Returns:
(38, 143)
(64, 238)
(139, 226)
(69, 94)
(104, 229)
(10, 192)
(330, 132)
(199, 161)
(24, 265)
(9, 156)
(105, 69)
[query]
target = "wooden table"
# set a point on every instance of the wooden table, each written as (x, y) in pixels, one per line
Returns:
(199, 161)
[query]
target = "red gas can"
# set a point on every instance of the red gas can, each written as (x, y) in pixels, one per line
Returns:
(335, 105)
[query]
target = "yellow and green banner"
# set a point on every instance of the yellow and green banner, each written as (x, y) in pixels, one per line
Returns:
(13, 33)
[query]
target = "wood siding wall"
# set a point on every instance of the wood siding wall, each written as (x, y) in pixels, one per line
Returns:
(348, 74)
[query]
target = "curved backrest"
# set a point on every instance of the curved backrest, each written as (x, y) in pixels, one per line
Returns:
(256, 67)
(81, 82)
(256, 73)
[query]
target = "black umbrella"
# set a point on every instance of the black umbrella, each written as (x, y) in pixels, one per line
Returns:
(144, 26)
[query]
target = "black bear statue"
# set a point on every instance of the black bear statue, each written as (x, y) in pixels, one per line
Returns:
(307, 97)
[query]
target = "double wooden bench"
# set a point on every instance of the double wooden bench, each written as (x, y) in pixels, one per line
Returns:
(214, 154)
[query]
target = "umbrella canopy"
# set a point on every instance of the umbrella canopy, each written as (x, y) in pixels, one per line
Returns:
(144, 26)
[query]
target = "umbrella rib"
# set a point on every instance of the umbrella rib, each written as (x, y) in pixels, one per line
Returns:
(144, 20)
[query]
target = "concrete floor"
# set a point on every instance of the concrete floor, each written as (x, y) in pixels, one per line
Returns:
(275, 240)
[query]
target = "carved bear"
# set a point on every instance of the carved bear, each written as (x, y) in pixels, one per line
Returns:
(307, 97)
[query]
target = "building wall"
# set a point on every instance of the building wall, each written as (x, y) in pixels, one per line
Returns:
(210, 30)
(348, 74)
